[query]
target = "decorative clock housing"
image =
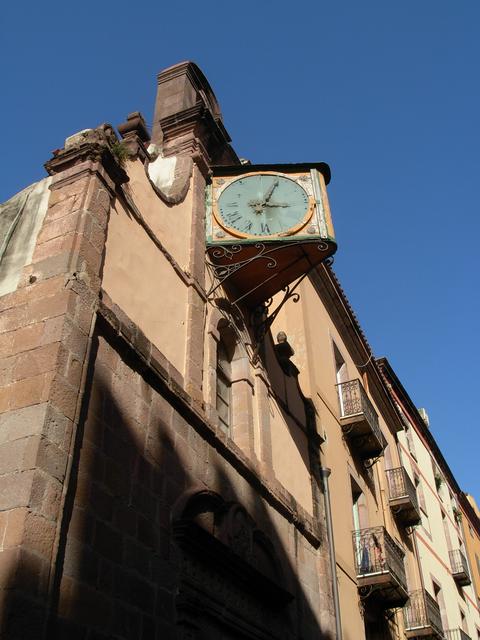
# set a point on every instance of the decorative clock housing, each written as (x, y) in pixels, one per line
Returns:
(267, 225)
(263, 205)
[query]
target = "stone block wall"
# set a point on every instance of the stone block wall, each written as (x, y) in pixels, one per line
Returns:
(44, 336)
(141, 447)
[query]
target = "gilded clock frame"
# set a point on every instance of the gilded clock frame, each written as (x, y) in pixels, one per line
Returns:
(248, 236)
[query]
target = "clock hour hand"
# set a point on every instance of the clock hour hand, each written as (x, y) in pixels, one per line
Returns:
(276, 204)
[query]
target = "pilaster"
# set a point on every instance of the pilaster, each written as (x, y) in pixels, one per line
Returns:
(188, 125)
(46, 331)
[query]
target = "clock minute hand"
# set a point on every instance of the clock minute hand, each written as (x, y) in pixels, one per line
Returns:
(268, 195)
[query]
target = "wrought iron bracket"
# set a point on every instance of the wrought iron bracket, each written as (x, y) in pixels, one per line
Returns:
(233, 253)
(263, 319)
(370, 464)
(365, 591)
(346, 431)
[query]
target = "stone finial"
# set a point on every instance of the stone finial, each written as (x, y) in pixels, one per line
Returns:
(135, 135)
(134, 125)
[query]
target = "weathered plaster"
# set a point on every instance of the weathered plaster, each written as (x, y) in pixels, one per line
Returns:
(20, 220)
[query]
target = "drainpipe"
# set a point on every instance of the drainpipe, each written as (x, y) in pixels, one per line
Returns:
(325, 472)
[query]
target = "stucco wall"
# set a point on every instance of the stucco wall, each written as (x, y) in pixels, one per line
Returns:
(138, 277)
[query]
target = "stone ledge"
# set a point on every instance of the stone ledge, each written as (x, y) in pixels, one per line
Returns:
(112, 320)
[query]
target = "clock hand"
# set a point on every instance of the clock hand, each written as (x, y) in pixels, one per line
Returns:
(256, 205)
(276, 204)
(268, 195)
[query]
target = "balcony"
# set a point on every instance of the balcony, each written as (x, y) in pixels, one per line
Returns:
(456, 634)
(359, 420)
(403, 497)
(380, 567)
(459, 565)
(422, 617)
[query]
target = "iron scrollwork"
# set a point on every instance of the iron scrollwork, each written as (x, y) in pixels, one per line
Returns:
(233, 253)
(231, 257)
(221, 272)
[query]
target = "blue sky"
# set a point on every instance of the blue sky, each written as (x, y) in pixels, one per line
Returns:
(386, 92)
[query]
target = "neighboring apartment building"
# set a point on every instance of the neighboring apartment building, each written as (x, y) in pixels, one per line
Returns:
(359, 422)
(471, 531)
(168, 469)
(446, 602)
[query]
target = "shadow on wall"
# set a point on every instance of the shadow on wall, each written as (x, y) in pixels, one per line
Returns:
(161, 536)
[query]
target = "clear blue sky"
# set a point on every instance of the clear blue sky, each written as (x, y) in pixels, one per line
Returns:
(386, 92)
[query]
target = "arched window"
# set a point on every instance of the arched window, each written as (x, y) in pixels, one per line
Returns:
(224, 387)
(225, 355)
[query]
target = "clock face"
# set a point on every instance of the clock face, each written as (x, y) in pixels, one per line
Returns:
(263, 204)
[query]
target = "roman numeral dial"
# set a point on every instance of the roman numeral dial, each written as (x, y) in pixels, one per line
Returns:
(263, 205)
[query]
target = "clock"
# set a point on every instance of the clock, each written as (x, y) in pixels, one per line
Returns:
(263, 205)
(265, 226)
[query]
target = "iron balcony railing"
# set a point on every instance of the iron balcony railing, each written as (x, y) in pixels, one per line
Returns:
(422, 613)
(355, 402)
(376, 552)
(456, 634)
(400, 486)
(402, 492)
(459, 565)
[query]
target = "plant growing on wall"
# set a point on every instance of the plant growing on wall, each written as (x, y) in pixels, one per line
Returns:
(457, 514)
(120, 151)
(438, 481)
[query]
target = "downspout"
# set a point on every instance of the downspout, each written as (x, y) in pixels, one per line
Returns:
(325, 472)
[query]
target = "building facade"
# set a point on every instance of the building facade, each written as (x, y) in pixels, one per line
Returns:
(446, 603)
(470, 520)
(178, 464)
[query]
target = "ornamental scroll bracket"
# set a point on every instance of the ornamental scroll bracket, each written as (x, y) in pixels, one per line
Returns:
(263, 318)
(223, 261)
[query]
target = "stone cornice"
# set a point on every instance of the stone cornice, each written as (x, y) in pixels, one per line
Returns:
(90, 151)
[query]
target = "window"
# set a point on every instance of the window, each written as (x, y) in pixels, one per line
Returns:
(225, 350)
(446, 531)
(422, 504)
(388, 457)
(224, 400)
(341, 375)
(420, 494)
(463, 622)
(437, 590)
(359, 506)
(410, 443)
